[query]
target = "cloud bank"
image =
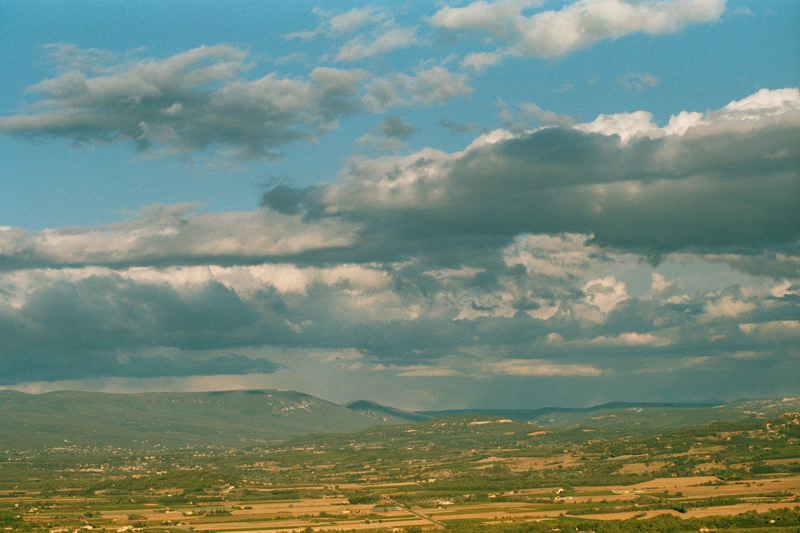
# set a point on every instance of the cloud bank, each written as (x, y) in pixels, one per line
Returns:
(566, 253)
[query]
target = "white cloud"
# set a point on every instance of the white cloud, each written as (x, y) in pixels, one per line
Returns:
(728, 306)
(538, 367)
(359, 48)
(355, 18)
(578, 25)
(425, 87)
(499, 18)
(605, 293)
(776, 329)
(480, 61)
(558, 256)
(632, 338)
(626, 125)
(425, 371)
(174, 232)
(342, 23)
(190, 102)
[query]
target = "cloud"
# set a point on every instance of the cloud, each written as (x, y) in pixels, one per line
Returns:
(637, 81)
(549, 296)
(389, 135)
(396, 128)
(378, 35)
(526, 255)
(424, 371)
(342, 23)
(193, 101)
(551, 34)
(425, 87)
(175, 234)
(205, 101)
(557, 256)
(459, 127)
(773, 263)
(358, 48)
(354, 19)
(605, 293)
(480, 61)
(68, 57)
(728, 306)
(684, 363)
(631, 338)
(725, 182)
(777, 329)
(536, 367)
(140, 367)
(530, 115)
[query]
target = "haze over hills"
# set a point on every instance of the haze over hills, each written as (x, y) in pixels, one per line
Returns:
(248, 418)
(138, 420)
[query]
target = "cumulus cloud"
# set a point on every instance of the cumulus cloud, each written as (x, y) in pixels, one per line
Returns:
(518, 257)
(725, 182)
(546, 296)
(578, 25)
(389, 135)
(605, 293)
(425, 87)
(190, 102)
(205, 100)
(728, 306)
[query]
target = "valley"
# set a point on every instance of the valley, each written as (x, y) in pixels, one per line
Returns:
(733, 466)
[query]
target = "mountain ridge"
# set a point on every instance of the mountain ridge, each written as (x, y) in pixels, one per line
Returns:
(259, 417)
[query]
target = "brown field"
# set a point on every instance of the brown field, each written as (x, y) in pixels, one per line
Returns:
(643, 468)
(523, 464)
(790, 461)
(335, 513)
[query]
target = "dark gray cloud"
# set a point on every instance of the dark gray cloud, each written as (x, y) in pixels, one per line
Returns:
(91, 365)
(94, 325)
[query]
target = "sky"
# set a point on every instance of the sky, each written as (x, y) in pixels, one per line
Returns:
(510, 203)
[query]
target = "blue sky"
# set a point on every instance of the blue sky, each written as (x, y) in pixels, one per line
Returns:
(492, 203)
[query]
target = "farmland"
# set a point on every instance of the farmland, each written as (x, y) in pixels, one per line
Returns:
(598, 471)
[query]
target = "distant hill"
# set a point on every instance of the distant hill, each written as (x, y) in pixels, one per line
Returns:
(535, 414)
(490, 429)
(256, 417)
(383, 413)
(233, 418)
(645, 417)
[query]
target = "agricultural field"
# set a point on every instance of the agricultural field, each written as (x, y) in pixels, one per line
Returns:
(467, 472)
